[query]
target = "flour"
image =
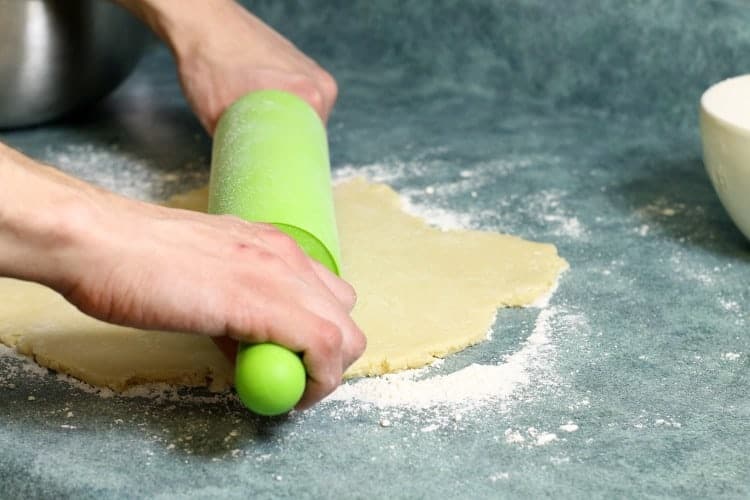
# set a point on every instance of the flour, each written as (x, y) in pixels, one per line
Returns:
(529, 438)
(12, 364)
(548, 205)
(378, 172)
(667, 422)
(729, 305)
(499, 476)
(513, 436)
(543, 301)
(435, 216)
(543, 207)
(569, 427)
(123, 172)
(469, 388)
(541, 438)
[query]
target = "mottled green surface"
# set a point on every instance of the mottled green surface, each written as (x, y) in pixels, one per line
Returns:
(573, 122)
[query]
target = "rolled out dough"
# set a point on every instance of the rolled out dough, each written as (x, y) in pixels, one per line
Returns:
(423, 293)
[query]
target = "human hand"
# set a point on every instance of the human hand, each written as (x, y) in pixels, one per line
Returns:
(220, 276)
(147, 266)
(224, 52)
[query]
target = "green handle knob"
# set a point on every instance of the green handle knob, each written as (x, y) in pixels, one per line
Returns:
(270, 164)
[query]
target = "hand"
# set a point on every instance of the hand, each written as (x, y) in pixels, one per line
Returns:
(242, 55)
(224, 52)
(147, 266)
(220, 276)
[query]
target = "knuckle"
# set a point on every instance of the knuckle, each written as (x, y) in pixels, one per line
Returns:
(329, 85)
(309, 91)
(330, 380)
(315, 98)
(261, 268)
(329, 336)
(282, 241)
(359, 344)
(351, 292)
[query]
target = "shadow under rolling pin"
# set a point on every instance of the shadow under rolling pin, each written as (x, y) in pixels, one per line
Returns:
(270, 164)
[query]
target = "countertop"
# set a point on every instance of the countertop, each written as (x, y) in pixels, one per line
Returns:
(566, 122)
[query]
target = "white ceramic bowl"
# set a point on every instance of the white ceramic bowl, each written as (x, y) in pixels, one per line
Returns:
(725, 129)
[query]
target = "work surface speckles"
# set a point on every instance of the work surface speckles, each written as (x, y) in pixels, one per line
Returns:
(578, 129)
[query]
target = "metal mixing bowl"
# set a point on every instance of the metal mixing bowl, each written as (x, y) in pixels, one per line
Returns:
(60, 55)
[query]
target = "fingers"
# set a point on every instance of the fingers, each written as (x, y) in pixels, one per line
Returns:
(311, 315)
(321, 385)
(342, 290)
(282, 296)
(325, 342)
(314, 85)
(329, 90)
(313, 272)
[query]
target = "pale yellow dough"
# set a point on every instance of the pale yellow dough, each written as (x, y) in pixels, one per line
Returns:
(423, 293)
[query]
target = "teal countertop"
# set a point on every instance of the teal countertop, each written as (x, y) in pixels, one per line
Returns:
(568, 122)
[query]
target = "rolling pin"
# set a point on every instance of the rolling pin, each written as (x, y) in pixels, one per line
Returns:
(270, 164)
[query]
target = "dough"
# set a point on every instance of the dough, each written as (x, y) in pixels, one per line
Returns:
(423, 293)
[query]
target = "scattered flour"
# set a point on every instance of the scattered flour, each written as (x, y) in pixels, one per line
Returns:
(688, 268)
(437, 217)
(544, 209)
(471, 387)
(661, 207)
(543, 301)
(513, 436)
(548, 206)
(124, 172)
(541, 438)
(530, 438)
(729, 305)
(12, 363)
(569, 427)
(566, 226)
(667, 422)
(499, 476)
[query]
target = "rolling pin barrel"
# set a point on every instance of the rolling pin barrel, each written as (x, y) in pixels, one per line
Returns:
(270, 164)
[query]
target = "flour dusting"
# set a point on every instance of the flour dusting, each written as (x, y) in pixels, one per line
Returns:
(435, 216)
(471, 387)
(124, 172)
(569, 427)
(529, 438)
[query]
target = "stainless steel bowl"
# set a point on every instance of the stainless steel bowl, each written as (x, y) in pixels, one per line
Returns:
(60, 55)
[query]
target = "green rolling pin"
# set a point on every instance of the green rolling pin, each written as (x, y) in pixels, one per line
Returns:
(270, 164)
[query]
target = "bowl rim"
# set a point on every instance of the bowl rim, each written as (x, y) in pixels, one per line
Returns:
(716, 87)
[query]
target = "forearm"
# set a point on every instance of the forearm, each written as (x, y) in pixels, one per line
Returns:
(40, 209)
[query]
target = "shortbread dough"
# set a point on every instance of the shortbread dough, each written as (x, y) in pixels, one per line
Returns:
(423, 293)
